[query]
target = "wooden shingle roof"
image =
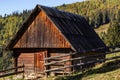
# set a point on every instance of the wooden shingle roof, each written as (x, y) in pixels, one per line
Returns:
(74, 28)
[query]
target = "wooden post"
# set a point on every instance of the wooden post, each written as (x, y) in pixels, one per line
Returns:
(23, 70)
(64, 69)
(15, 63)
(15, 55)
(45, 66)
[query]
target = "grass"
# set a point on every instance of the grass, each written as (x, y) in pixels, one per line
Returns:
(10, 78)
(102, 28)
(110, 70)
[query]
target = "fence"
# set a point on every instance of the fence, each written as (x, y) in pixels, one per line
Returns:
(12, 71)
(47, 62)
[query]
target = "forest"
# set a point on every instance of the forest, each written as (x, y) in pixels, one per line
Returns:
(96, 12)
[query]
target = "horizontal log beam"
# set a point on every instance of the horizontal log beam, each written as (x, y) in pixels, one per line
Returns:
(76, 58)
(59, 56)
(8, 74)
(81, 64)
(12, 69)
(55, 62)
(79, 58)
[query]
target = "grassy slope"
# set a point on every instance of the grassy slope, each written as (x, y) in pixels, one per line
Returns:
(110, 70)
(102, 28)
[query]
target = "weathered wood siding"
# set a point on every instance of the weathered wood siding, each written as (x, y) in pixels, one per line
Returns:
(28, 60)
(42, 34)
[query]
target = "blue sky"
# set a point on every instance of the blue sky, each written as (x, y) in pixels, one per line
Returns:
(9, 6)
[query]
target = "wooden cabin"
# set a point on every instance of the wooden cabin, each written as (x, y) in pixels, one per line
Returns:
(50, 32)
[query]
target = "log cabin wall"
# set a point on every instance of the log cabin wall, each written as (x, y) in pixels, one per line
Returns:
(28, 60)
(27, 56)
(42, 33)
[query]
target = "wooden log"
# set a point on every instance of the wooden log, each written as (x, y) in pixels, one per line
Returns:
(4, 75)
(79, 58)
(11, 69)
(57, 65)
(83, 56)
(55, 62)
(60, 56)
(81, 64)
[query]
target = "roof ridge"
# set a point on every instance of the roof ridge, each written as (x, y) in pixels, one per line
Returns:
(54, 8)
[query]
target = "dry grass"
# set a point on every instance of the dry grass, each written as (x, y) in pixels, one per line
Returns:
(102, 28)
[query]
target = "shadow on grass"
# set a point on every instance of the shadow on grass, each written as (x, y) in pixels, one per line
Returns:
(107, 67)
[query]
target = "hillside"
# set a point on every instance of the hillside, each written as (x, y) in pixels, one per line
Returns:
(97, 12)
